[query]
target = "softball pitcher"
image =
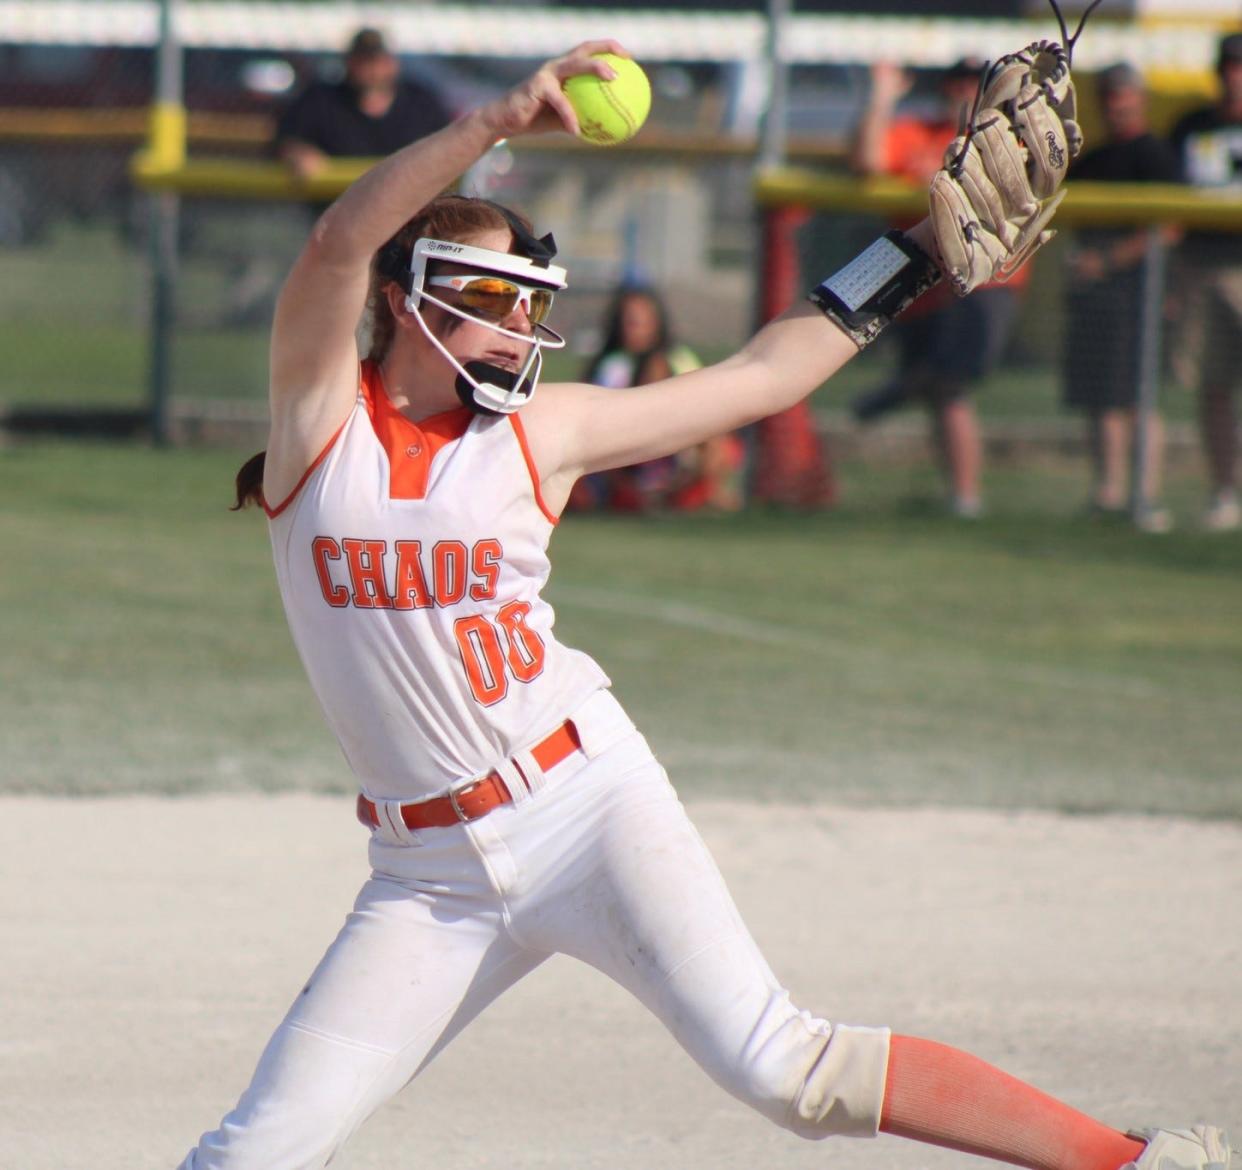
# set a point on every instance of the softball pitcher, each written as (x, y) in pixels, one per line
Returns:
(514, 810)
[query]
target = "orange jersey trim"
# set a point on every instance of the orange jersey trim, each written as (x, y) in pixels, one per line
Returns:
(410, 446)
(520, 430)
(272, 513)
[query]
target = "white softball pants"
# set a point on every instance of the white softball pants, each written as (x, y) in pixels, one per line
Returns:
(601, 864)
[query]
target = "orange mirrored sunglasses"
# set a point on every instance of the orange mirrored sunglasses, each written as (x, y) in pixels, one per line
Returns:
(493, 298)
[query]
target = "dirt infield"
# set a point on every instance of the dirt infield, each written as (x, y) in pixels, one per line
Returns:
(150, 946)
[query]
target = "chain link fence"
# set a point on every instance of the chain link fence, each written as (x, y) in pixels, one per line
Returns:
(76, 303)
(677, 211)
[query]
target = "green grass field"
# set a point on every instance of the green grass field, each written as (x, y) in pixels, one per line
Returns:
(878, 653)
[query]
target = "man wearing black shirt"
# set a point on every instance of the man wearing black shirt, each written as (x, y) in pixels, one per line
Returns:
(1208, 144)
(1103, 305)
(372, 112)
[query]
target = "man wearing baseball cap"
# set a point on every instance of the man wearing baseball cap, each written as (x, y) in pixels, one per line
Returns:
(1207, 353)
(1103, 318)
(371, 112)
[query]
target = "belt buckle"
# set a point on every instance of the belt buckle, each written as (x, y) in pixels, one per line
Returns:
(464, 790)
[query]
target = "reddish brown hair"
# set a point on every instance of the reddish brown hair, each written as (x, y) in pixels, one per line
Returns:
(449, 217)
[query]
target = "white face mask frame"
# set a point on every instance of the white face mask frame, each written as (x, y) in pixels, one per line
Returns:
(486, 394)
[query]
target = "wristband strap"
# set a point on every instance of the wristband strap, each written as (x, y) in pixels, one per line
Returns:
(872, 289)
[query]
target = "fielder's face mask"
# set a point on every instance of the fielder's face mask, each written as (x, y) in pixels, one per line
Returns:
(487, 288)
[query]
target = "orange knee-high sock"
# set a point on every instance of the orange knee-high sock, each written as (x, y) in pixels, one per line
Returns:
(939, 1095)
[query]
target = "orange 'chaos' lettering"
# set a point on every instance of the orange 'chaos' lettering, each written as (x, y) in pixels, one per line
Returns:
(366, 574)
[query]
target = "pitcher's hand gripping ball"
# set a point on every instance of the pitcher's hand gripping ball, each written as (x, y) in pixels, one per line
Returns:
(610, 111)
(1001, 180)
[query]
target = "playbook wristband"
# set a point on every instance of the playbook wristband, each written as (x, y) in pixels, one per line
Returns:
(873, 288)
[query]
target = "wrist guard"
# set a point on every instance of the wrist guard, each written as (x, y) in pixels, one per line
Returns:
(873, 288)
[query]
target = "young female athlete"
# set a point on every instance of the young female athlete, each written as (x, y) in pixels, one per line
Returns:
(514, 810)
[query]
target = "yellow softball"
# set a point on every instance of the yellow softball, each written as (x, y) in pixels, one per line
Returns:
(610, 111)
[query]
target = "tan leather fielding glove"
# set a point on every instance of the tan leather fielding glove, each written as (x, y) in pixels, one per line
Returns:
(1001, 181)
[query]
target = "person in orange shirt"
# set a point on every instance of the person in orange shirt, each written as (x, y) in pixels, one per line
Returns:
(946, 343)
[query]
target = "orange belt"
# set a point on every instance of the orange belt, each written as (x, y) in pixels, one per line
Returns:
(479, 797)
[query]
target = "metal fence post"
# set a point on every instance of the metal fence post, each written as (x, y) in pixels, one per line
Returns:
(1151, 322)
(167, 143)
(788, 465)
(772, 145)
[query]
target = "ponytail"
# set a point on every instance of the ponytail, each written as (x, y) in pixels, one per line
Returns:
(249, 482)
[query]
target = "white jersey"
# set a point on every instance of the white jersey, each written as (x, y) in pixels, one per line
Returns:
(410, 559)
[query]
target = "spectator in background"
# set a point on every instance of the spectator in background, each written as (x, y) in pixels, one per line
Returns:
(1103, 306)
(638, 348)
(946, 343)
(371, 112)
(1207, 354)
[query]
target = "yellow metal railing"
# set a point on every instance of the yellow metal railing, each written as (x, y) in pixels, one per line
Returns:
(1085, 203)
(164, 166)
(129, 124)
